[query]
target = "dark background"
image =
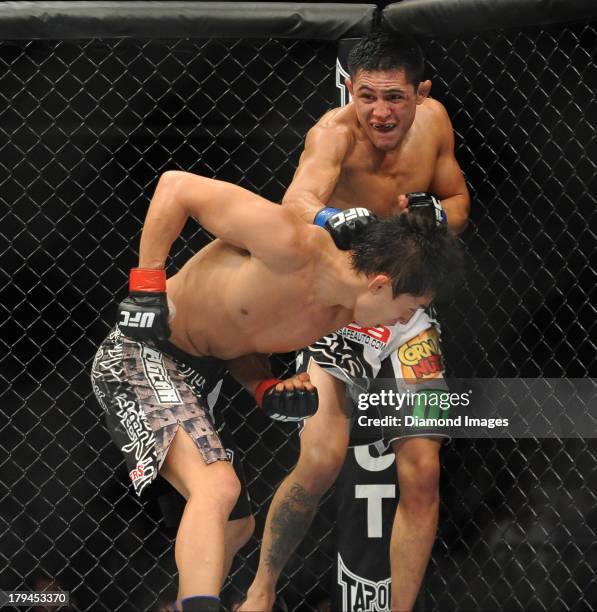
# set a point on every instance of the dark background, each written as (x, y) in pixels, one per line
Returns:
(86, 127)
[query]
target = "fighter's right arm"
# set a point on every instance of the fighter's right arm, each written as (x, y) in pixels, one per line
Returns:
(319, 169)
(228, 211)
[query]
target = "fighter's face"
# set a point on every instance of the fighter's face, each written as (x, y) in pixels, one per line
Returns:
(385, 103)
(377, 306)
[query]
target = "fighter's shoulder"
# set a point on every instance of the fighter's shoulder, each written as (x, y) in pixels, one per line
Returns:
(435, 120)
(308, 241)
(291, 248)
(336, 125)
(435, 113)
(314, 242)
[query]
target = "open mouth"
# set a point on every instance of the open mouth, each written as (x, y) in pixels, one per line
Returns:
(383, 127)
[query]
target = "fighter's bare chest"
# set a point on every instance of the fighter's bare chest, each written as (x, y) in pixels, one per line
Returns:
(283, 326)
(366, 182)
(283, 301)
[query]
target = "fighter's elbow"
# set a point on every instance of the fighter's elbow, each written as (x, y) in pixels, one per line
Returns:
(458, 226)
(179, 179)
(183, 190)
(169, 178)
(458, 220)
(169, 185)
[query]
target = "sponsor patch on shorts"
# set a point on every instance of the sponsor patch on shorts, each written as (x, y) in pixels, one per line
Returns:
(376, 337)
(158, 377)
(420, 358)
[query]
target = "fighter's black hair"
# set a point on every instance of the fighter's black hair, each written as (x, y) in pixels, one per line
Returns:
(420, 258)
(384, 51)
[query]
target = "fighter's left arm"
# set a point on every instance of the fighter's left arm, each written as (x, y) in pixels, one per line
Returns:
(289, 399)
(250, 370)
(448, 182)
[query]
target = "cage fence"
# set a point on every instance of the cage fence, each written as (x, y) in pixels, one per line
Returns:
(86, 128)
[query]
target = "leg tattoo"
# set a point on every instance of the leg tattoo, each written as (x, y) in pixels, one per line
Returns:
(289, 524)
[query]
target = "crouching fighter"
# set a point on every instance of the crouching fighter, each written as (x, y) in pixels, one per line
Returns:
(269, 283)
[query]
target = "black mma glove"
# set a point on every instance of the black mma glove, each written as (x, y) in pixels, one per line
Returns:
(294, 405)
(143, 315)
(427, 206)
(344, 225)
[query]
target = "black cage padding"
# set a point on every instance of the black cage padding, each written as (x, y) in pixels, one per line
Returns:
(159, 20)
(454, 17)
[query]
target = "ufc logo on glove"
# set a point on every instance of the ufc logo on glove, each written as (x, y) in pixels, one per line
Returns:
(139, 319)
(345, 216)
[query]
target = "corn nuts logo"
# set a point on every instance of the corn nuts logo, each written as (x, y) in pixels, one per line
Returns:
(421, 357)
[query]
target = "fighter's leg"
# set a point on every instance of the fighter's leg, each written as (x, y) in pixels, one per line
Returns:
(238, 533)
(415, 522)
(241, 523)
(211, 492)
(323, 444)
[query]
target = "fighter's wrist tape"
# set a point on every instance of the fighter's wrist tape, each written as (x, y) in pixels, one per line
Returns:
(324, 214)
(425, 200)
(262, 388)
(147, 279)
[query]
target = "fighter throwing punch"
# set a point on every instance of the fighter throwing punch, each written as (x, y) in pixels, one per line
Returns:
(386, 149)
(271, 283)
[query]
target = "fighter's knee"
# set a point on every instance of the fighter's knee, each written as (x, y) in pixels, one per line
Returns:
(320, 466)
(219, 490)
(419, 480)
(228, 490)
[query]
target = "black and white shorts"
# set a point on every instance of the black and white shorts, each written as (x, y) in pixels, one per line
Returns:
(147, 392)
(404, 358)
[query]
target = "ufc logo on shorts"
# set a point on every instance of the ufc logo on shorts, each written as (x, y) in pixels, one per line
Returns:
(139, 319)
(348, 215)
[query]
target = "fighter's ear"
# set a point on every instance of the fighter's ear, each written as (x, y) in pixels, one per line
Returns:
(348, 83)
(423, 91)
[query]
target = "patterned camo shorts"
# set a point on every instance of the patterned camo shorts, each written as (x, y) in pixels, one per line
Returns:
(148, 392)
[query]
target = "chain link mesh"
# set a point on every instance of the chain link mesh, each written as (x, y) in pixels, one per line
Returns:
(86, 128)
